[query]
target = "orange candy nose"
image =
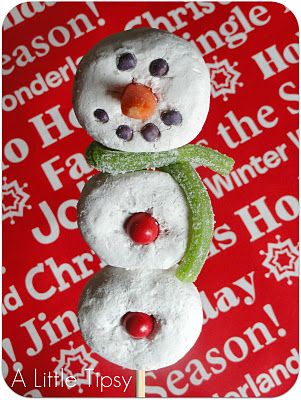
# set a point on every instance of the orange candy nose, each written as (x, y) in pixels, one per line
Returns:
(138, 101)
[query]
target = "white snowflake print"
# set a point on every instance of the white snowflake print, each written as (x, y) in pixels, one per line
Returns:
(224, 78)
(282, 260)
(14, 200)
(75, 362)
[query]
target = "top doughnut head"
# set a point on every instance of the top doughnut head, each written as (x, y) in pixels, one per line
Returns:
(142, 90)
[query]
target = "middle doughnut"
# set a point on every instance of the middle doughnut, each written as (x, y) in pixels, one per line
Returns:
(135, 220)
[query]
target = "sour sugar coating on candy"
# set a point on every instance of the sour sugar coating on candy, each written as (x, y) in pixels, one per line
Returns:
(116, 162)
(113, 293)
(107, 204)
(201, 220)
(198, 155)
(140, 77)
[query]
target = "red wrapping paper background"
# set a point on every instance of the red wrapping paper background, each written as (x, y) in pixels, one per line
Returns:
(233, 355)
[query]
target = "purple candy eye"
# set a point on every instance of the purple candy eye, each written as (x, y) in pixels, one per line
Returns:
(126, 62)
(171, 118)
(158, 67)
(124, 132)
(150, 132)
(101, 115)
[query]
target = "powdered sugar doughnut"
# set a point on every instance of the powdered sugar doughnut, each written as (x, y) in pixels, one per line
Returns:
(169, 66)
(108, 201)
(113, 292)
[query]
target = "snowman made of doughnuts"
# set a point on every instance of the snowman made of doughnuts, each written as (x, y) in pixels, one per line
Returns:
(143, 94)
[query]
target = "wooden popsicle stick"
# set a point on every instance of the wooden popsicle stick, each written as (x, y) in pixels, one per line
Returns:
(140, 383)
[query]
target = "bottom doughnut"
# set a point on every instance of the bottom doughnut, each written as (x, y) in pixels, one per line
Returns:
(114, 292)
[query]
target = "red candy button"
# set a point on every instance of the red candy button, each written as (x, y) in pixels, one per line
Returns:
(138, 325)
(142, 228)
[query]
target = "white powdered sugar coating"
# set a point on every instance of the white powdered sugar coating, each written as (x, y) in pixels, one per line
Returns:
(107, 201)
(113, 292)
(185, 88)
